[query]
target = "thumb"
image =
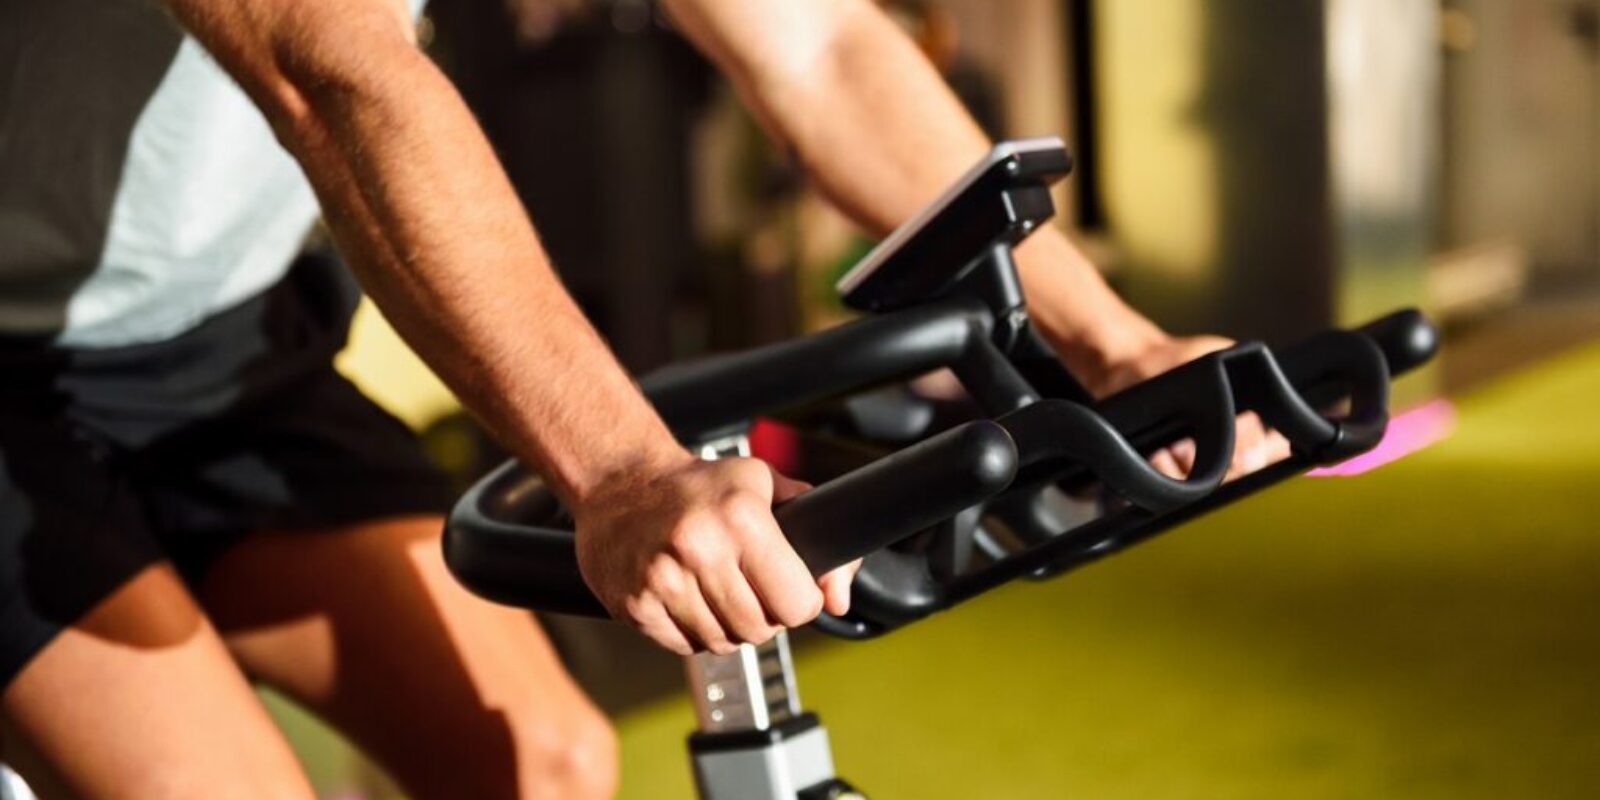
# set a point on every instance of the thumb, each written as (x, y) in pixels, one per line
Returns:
(785, 487)
(836, 588)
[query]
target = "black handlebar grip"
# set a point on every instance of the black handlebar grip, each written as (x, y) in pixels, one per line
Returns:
(898, 495)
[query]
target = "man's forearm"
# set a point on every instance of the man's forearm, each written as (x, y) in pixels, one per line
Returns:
(425, 215)
(881, 134)
(439, 239)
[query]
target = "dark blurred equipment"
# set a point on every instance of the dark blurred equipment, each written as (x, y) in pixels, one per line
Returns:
(1517, 275)
(1521, 143)
(949, 513)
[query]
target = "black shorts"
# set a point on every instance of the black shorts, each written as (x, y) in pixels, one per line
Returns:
(114, 459)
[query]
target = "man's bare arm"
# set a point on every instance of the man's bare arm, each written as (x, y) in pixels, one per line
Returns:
(423, 211)
(687, 551)
(840, 85)
(843, 88)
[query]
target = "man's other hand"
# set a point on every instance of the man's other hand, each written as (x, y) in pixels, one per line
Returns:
(1255, 445)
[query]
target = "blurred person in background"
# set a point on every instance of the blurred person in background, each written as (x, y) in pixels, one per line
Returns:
(191, 498)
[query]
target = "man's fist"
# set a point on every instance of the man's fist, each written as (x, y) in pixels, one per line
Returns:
(692, 557)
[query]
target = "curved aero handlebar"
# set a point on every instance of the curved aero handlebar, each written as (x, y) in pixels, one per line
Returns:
(948, 296)
(509, 540)
(897, 587)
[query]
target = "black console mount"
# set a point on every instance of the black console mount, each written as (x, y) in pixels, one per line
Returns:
(960, 244)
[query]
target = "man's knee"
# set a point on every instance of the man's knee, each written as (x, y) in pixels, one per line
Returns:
(521, 751)
(575, 757)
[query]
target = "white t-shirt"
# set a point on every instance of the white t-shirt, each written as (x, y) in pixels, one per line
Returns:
(140, 189)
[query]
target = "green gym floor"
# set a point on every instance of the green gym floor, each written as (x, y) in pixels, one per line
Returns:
(1428, 630)
(1431, 629)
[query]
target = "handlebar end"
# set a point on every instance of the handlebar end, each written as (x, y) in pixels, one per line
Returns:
(1407, 338)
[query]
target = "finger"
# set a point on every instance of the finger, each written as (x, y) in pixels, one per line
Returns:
(735, 603)
(650, 617)
(1277, 447)
(1249, 452)
(836, 588)
(690, 611)
(709, 554)
(1166, 464)
(780, 579)
(1183, 455)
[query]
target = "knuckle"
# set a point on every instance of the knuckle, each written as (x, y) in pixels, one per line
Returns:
(749, 469)
(635, 608)
(752, 626)
(662, 577)
(700, 536)
(803, 607)
(814, 604)
(692, 544)
(760, 635)
(741, 509)
(685, 530)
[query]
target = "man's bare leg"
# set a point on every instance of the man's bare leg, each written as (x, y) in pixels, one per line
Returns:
(141, 699)
(457, 697)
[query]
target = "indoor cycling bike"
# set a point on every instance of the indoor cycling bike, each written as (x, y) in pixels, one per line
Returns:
(945, 507)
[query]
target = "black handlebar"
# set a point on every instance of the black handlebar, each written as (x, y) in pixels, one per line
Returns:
(509, 540)
(889, 499)
(895, 588)
(958, 305)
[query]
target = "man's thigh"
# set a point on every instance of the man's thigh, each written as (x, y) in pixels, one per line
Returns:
(139, 698)
(115, 684)
(457, 697)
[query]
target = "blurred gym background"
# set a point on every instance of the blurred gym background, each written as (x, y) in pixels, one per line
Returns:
(1258, 168)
